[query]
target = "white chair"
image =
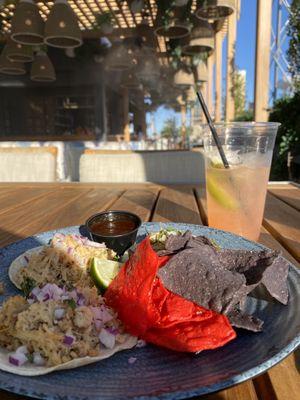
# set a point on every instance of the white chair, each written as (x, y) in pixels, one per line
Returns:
(28, 164)
(170, 167)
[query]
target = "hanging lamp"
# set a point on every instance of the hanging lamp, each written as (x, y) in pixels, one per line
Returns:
(27, 26)
(17, 52)
(201, 40)
(215, 9)
(62, 29)
(130, 81)
(42, 69)
(119, 58)
(183, 78)
(11, 68)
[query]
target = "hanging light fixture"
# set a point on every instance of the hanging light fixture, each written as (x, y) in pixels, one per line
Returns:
(216, 9)
(201, 40)
(183, 78)
(11, 68)
(27, 24)
(42, 69)
(17, 52)
(148, 68)
(119, 58)
(62, 29)
(130, 81)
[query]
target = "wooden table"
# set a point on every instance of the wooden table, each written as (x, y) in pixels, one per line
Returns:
(26, 209)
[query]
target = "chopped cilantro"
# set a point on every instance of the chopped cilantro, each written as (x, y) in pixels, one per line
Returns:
(27, 285)
(71, 303)
(29, 357)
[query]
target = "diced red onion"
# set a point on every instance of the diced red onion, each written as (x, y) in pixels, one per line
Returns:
(102, 314)
(68, 340)
(22, 350)
(80, 299)
(59, 313)
(132, 360)
(26, 259)
(113, 331)
(46, 297)
(17, 359)
(38, 359)
(35, 291)
(107, 338)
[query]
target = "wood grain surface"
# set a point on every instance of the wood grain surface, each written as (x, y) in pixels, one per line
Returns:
(26, 209)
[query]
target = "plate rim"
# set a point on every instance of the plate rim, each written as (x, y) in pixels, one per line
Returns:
(177, 394)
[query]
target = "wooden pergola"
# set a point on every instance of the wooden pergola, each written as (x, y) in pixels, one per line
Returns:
(125, 23)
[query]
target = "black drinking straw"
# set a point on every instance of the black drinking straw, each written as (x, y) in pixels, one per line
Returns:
(213, 129)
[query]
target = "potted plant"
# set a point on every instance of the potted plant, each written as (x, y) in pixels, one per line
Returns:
(173, 21)
(104, 22)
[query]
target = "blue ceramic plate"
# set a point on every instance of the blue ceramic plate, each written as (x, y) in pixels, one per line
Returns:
(163, 374)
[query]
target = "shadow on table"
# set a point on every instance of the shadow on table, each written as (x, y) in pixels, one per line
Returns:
(7, 237)
(297, 359)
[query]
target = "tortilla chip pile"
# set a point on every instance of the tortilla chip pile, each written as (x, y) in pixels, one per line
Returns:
(155, 314)
(220, 279)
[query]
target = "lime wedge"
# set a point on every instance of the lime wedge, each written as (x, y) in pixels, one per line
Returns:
(103, 272)
(216, 164)
(220, 195)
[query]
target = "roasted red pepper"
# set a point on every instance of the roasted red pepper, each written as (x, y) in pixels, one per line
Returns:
(151, 312)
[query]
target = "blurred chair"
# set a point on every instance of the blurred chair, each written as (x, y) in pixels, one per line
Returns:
(170, 167)
(28, 164)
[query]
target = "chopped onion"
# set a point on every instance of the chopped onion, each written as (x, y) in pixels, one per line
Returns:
(22, 350)
(107, 338)
(17, 359)
(68, 340)
(38, 359)
(80, 299)
(101, 314)
(113, 331)
(59, 313)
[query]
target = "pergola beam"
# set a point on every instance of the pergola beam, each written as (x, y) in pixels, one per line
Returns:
(231, 43)
(218, 90)
(262, 59)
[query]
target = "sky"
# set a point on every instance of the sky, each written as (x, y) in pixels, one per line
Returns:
(245, 54)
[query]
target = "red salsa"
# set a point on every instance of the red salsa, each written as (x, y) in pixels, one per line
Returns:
(117, 226)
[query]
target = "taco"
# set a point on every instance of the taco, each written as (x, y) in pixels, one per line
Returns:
(64, 261)
(55, 328)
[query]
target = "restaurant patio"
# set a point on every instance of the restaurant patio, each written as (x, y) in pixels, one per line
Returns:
(99, 111)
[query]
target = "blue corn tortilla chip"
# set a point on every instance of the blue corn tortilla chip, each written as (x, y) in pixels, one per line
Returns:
(220, 279)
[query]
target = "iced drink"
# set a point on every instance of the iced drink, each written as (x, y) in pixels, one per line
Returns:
(236, 196)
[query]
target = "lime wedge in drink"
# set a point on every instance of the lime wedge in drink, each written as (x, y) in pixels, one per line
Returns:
(223, 197)
(103, 272)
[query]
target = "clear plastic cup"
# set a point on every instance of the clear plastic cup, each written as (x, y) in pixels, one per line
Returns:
(236, 196)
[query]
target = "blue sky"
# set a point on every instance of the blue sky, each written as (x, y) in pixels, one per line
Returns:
(245, 54)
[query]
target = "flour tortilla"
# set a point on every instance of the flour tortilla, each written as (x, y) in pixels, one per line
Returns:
(29, 369)
(19, 263)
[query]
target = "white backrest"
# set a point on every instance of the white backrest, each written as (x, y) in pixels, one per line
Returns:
(136, 167)
(27, 165)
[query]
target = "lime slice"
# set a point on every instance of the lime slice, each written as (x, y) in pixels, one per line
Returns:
(216, 164)
(220, 195)
(103, 272)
